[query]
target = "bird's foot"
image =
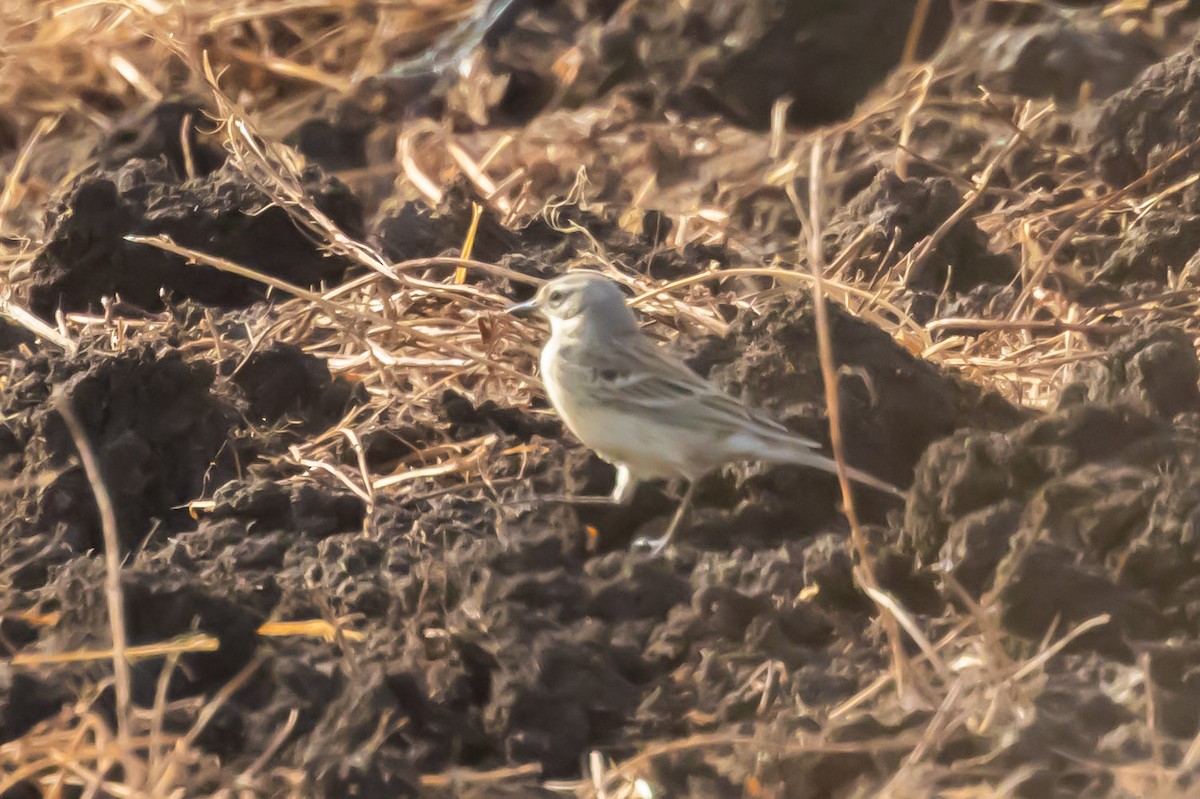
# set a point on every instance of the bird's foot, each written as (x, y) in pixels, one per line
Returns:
(655, 546)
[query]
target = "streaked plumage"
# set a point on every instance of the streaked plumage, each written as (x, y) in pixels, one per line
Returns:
(642, 409)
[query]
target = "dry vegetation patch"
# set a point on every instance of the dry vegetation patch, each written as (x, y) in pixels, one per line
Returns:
(272, 456)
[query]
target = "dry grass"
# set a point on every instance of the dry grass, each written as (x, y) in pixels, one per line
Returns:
(70, 70)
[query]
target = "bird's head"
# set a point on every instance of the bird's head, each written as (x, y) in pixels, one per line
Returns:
(581, 299)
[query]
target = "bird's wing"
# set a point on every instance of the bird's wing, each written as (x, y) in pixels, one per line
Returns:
(637, 377)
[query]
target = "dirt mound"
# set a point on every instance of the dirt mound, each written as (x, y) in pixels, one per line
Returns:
(282, 384)
(732, 60)
(1084, 512)
(1156, 372)
(87, 257)
(540, 246)
(157, 430)
(1062, 57)
(492, 636)
(161, 603)
(894, 215)
(1157, 248)
(515, 652)
(468, 421)
(894, 405)
(175, 130)
(416, 230)
(336, 140)
(381, 549)
(1156, 118)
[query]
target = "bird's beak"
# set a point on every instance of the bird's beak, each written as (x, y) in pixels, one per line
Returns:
(522, 309)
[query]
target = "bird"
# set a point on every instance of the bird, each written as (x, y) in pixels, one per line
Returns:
(641, 408)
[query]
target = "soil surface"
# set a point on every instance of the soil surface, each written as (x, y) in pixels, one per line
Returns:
(317, 438)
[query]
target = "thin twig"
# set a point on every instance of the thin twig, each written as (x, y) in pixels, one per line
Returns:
(931, 242)
(112, 584)
(865, 572)
(913, 40)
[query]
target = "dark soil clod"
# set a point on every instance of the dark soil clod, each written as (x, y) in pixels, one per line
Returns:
(87, 257)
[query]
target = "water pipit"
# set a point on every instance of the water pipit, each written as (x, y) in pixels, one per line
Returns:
(642, 409)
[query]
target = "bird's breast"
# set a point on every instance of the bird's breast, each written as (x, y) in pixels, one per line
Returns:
(649, 449)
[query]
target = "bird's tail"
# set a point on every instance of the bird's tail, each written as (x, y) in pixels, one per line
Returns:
(783, 449)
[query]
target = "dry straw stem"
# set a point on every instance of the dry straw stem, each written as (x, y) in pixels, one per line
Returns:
(334, 309)
(923, 251)
(891, 613)
(35, 325)
(913, 40)
(443, 335)
(331, 44)
(185, 645)
(1101, 204)
(112, 580)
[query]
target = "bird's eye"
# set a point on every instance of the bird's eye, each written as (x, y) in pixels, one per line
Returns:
(555, 297)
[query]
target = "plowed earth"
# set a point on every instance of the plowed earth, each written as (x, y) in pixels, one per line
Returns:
(484, 632)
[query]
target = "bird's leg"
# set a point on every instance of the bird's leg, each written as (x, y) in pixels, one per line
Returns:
(654, 546)
(625, 487)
